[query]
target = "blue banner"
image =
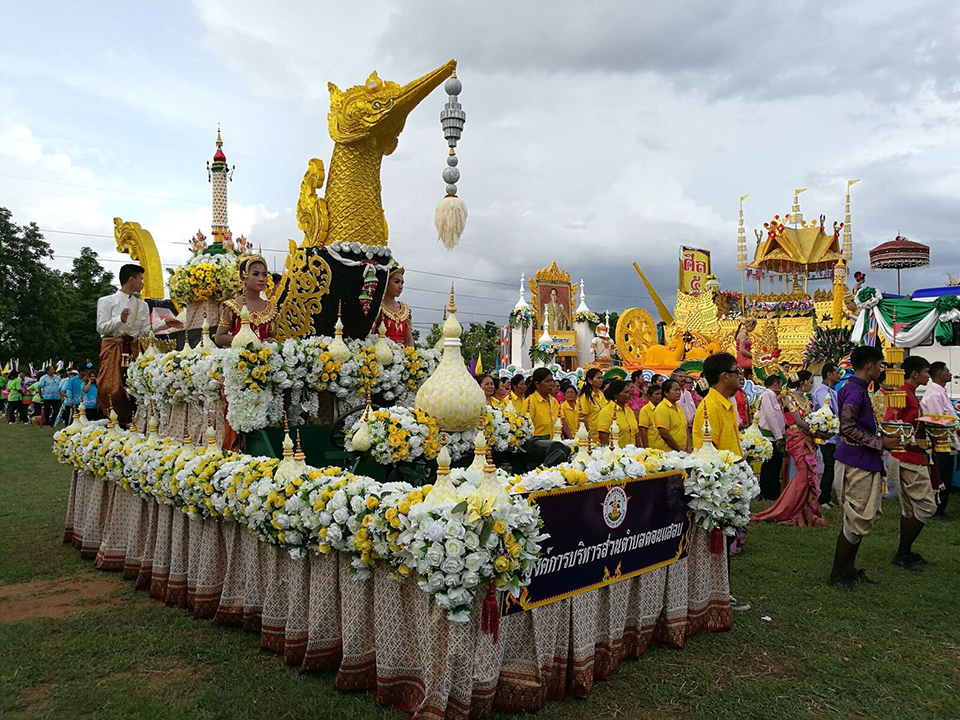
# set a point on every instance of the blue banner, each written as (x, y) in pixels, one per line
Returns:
(603, 533)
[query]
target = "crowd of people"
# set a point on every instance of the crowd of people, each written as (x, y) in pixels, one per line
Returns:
(656, 413)
(50, 398)
(809, 470)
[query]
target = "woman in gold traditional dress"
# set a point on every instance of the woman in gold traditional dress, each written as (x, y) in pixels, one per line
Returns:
(263, 321)
(263, 310)
(394, 314)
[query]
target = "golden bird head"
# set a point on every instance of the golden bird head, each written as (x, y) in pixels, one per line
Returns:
(378, 109)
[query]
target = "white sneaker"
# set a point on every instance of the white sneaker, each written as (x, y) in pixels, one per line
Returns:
(737, 605)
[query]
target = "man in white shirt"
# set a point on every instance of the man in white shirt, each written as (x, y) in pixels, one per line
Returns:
(772, 426)
(122, 318)
(822, 395)
(936, 401)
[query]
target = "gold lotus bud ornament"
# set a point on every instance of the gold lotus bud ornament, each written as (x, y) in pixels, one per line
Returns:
(338, 348)
(479, 452)
(362, 439)
(245, 335)
(451, 394)
(557, 430)
(583, 443)
(206, 342)
(382, 349)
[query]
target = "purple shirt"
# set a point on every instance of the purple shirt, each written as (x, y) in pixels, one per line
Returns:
(860, 446)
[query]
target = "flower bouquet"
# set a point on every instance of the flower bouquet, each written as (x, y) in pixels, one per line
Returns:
(205, 277)
(823, 420)
(521, 318)
(399, 434)
(756, 448)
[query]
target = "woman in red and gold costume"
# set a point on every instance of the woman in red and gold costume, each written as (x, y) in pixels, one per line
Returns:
(394, 314)
(263, 310)
(263, 320)
(744, 343)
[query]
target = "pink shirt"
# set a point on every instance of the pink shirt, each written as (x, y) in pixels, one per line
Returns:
(688, 405)
(935, 401)
(770, 416)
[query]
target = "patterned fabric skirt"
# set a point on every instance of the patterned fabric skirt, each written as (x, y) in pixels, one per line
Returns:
(388, 636)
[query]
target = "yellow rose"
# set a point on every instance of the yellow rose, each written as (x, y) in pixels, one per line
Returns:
(403, 570)
(426, 489)
(499, 527)
(404, 507)
(501, 564)
(516, 550)
(361, 535)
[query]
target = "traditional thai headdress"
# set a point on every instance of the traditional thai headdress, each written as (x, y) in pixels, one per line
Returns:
(793, 377)
(247, 259)
(396, 268)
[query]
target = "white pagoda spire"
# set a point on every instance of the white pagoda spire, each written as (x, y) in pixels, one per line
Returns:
(582, 307)
(218, 175)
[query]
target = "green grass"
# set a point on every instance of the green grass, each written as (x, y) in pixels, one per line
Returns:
(882, 652)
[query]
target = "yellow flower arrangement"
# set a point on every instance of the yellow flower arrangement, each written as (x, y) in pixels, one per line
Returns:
(205, 277)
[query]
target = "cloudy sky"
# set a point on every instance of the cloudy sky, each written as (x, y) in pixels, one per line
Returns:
(598, 134)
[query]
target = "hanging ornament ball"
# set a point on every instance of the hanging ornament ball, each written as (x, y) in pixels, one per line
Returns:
(451, 175)
(451, 189)
(452, 160)
(452, 86)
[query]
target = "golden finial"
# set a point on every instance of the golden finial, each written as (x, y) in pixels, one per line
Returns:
(298, 455)
(452, 307)
(443, 457)
(287, 442)
(219, 141)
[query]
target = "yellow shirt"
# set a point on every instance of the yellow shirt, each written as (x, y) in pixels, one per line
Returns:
(645, 417)
(543, 413)
(671, 418)
(518, 402)
(570, 415)
(591, 408)
(626, 420)
(499, 403)
(723, 423)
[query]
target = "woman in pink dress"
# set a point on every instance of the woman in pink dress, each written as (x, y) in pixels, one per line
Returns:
(798, 504)
(744, 343)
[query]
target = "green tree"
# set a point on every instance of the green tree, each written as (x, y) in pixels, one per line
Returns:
(84, 284)
(31, 295)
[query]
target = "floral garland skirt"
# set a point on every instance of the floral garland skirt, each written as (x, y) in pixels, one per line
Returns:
(318, 617)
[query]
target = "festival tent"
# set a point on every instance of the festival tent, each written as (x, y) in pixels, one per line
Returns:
(909, 321)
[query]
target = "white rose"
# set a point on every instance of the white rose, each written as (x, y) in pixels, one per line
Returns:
(435, 581)
(434, 555)
(452, 566)
(454, 547)
(471, 541)
(435, 531)
(473, 561)
(334, 534)
(325, 518)
(455, 529)
(357, 503)
(458, 596)
(470, 579)
(340, 515)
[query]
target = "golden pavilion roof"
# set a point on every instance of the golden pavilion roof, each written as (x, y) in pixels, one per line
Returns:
(803, 247)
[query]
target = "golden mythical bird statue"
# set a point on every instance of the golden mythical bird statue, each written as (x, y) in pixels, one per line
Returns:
(365, 123)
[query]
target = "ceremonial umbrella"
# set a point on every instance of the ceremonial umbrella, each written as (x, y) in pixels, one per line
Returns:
(899, 254)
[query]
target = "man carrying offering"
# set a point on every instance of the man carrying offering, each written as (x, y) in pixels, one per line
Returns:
(122, 318)
(936, 401)
(859, 466)
(917, 500)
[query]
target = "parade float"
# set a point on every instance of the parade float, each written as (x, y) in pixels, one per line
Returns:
(383, 522)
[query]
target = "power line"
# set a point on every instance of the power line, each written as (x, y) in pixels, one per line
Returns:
(409, 269)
